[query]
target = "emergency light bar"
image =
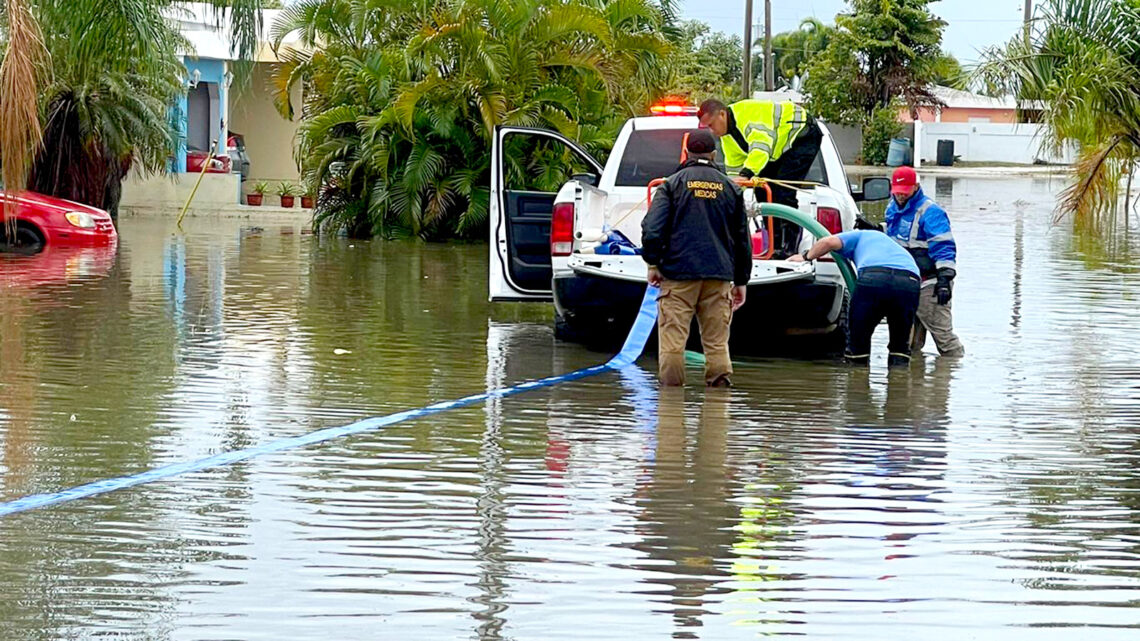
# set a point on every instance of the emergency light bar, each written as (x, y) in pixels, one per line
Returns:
(673, 109)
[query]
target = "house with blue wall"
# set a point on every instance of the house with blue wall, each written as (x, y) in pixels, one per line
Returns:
(216, 106)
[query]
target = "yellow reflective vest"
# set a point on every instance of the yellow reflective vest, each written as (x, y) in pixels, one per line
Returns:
(760, 131)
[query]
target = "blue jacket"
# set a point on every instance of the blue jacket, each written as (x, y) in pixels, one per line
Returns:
(923, 228)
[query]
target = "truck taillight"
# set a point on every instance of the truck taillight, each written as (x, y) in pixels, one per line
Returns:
(831, 220)
(562, 229)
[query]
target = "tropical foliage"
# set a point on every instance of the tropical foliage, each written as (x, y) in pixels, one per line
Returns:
(1080, 64)
(878, 131)
(92, 83)
(403, 96)
(794, 50)
(706, 63)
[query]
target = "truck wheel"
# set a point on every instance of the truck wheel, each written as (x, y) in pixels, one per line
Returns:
(837, 339)
(564, 332)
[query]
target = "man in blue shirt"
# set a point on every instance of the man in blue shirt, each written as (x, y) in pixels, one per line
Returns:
(888, 287)
(920, 226)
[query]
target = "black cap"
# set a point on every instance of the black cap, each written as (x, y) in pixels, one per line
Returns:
(701, 141)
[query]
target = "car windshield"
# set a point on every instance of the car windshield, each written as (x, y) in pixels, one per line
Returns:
(650, 154)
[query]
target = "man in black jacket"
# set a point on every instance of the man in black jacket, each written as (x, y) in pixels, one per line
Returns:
(695, 239)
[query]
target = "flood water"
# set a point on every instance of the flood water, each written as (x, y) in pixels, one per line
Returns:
(993, 498)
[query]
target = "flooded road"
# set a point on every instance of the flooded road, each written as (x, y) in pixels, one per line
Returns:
(993, 498)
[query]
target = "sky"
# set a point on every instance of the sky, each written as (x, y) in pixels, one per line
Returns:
(973, 24)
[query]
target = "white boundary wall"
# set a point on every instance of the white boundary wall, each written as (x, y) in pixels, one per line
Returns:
(984, 142)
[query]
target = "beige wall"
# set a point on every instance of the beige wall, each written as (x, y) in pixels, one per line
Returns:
(268, 136)
(173, 190)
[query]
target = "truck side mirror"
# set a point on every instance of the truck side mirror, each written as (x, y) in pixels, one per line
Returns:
(589, 179)
(876, 188)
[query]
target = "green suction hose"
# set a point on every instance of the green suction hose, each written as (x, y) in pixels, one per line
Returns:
(817, 230)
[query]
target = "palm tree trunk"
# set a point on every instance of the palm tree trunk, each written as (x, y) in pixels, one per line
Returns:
(20, 131)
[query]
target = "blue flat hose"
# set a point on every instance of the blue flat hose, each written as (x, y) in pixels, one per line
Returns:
(630, 351)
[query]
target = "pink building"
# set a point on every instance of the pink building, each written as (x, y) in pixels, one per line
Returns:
(963, 106)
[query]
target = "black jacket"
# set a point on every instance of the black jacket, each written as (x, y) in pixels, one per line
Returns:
(696, 228)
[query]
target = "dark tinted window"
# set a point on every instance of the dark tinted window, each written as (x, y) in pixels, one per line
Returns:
(817, 173)
(650, 153)
(656, 153)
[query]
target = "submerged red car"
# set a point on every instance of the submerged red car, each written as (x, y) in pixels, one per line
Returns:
(44, 221)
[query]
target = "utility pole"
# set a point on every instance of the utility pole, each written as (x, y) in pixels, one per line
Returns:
(769, 63)
(747, 85)
(1028, 17)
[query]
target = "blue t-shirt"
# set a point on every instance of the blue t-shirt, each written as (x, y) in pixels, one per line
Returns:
(868, 248)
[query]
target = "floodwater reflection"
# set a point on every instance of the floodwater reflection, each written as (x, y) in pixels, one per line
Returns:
(989, 498)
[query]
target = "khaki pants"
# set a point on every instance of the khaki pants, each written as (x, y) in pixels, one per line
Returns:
(938, 321)
(711, 301)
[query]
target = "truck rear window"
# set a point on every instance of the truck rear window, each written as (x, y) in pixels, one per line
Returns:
(656, 153)
(649, 154)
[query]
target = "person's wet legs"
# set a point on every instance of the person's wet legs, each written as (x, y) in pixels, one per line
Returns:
(676, 305)
(901, 312)
(714, 317)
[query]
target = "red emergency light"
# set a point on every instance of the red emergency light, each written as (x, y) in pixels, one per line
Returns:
(670, 108)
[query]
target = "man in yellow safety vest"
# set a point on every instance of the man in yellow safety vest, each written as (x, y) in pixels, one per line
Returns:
(766, 139)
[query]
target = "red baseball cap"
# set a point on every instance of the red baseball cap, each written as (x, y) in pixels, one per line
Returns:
(903, 180)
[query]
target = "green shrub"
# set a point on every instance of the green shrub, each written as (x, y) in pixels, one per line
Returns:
(877, 133)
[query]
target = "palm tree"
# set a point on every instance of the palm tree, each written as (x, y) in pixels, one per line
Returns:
(88, 87)
(402, 96)
(1080, 62)
(795, 49)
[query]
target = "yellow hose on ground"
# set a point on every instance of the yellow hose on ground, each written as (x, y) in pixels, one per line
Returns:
(201, 175)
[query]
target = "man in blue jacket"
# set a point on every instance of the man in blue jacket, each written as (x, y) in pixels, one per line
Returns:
(922, 227)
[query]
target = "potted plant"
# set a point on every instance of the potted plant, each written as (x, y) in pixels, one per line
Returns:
(288, 193)
(253, 199)
(308, 197)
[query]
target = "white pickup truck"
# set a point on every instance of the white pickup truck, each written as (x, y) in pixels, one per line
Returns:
(544, 245)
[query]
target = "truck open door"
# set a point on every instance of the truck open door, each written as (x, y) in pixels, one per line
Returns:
(528, 166)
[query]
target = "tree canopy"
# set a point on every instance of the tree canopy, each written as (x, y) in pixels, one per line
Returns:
(402, 98)
(706, 64)
(881, 50)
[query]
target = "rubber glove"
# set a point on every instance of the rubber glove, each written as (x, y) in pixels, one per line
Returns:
(942, 290)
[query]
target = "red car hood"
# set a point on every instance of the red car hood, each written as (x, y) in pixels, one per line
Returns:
(40, 200)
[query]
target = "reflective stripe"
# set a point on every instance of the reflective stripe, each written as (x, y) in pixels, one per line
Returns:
(899, 354)
(761, 145)
(799, 123)
(755, 126)
(944, 264)
(916, 244)
(941, 238)
(914, 226)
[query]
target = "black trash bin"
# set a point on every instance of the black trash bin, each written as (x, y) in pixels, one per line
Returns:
(945, 153)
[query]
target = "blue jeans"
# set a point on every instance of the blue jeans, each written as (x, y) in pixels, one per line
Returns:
(882, 293)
